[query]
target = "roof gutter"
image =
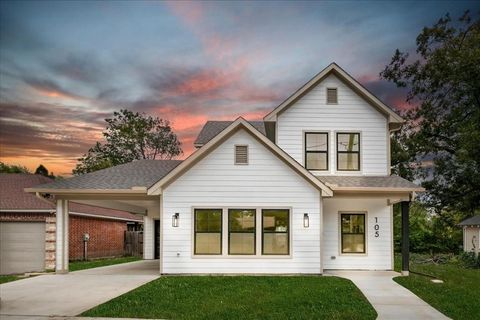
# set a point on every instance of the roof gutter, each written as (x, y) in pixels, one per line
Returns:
(39, 196)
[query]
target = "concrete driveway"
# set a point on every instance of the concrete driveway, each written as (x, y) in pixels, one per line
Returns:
(390, 300)
(71, 294)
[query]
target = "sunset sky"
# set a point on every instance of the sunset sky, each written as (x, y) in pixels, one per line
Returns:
(66, 66)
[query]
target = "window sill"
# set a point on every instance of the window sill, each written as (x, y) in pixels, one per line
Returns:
(242, 256)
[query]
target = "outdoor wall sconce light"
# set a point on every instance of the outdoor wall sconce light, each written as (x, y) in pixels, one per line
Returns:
(306, 220)
(175, 218)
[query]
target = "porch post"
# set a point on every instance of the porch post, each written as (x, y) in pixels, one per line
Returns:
(148, 238)
(61, 241)
(405, 238)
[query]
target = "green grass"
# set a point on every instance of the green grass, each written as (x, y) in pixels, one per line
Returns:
(9, 278)
(240, 297)
(458, 297)
(81, 265)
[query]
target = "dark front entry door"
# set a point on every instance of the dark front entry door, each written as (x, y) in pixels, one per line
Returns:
(157, 239)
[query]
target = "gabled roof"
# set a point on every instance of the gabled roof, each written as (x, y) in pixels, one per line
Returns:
(370, 183)
(134, 176)
(238, 124)
(13, 198)
(212, 128)
(393, 118)
(472, 221)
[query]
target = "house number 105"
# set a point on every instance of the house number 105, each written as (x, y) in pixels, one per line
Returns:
(377, 228)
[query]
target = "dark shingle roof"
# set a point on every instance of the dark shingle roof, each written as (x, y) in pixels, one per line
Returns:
(13, 197)
(472, 221)
(212, 128)
(367, 182)
(140, 173)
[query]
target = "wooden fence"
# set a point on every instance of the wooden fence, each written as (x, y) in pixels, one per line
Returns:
(133, 243)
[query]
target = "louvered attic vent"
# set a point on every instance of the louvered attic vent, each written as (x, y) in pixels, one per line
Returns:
(332, 95)
(241, 154)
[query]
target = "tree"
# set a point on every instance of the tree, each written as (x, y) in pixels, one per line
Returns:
(130, 136)
(12, 168)
(42, 170)
(444, 122)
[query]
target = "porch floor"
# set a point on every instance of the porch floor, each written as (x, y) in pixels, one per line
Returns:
(390, 300)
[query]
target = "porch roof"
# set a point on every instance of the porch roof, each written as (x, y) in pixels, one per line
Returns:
(134, 176)
(391, 183)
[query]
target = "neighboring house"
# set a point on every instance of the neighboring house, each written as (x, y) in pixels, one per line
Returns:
(307, 189)
(471, 234)
(27, 227)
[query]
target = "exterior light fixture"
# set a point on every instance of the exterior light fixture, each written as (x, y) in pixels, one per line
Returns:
(175, 219)
(306, 220)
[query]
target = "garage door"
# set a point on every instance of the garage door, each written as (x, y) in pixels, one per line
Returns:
(22, 247)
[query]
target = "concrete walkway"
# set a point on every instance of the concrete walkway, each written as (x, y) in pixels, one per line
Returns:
(390, 300)
(73, 293)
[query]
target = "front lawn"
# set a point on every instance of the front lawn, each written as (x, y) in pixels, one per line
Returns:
(458, 297)
(80, 265)
(240, 297)
(8, 278)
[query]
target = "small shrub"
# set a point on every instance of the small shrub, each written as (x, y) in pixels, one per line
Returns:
(469, 260)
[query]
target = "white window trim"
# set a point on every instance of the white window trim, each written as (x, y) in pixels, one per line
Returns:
(258, 233)
(329, 156)
(335, 147)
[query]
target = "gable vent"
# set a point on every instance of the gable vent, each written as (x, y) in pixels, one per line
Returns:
(241, 154)
(332, 96)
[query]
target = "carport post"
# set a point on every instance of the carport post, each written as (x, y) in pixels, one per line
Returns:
(405, 237)
(61, 247)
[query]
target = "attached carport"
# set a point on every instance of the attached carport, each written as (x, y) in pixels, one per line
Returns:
(122, 187)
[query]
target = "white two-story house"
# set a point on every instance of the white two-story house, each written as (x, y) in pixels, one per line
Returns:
(305, 190)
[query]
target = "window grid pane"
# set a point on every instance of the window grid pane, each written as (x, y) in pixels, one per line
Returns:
(353, 233)
(275, 232)
(241, 231)
(316, 150)
(208, 231)
(348, 151)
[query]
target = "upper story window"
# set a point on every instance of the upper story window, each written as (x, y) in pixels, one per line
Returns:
(332, 96)
(241, 154)
(348, 151)
(316, 151)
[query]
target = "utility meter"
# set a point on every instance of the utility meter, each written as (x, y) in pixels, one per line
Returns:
(86, 237)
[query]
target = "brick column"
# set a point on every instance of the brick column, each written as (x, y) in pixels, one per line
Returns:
(50, 230)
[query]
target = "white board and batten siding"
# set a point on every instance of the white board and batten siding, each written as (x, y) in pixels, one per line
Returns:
(379, 249)
(216, 182)
(351, 114)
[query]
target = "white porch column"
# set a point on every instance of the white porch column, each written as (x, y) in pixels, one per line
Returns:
(148, 238)
(61, 241)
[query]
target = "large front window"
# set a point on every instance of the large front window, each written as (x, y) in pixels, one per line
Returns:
(316, 151)
(353, 232)
(348, 151)
(275, 231)
(241, 231)
(208, 231)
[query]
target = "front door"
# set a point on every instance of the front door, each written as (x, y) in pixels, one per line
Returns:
(157, 239)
